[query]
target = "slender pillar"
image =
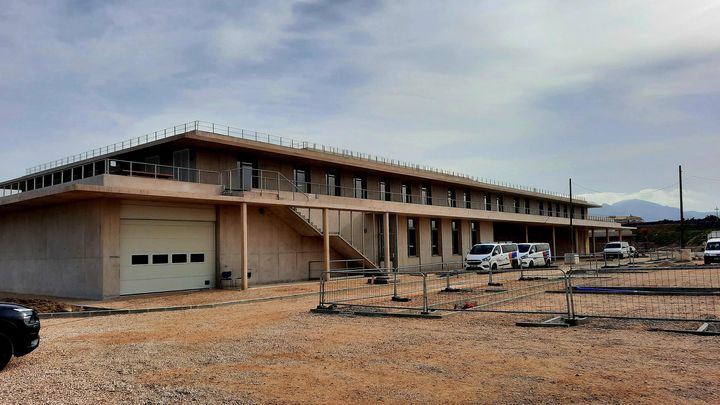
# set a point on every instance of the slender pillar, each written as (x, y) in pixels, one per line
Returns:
(326, 242)
(244, 269)
(555, 252)
(607, 235)
(592, 233)
(527, 237)
(620, 235)
(386, 235)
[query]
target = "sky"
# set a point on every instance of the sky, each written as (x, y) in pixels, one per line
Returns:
(615, 95)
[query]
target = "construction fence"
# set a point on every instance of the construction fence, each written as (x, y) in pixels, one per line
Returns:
(679, 293)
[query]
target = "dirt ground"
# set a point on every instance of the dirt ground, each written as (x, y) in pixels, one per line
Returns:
(278, 352)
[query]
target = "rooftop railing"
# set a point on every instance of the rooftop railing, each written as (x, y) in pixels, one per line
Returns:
(279, 141)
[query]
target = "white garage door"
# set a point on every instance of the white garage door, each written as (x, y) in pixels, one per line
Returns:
(166, 255)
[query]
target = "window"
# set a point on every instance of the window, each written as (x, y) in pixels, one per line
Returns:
(248, 174)
(549, 209)
(557, 209)
(527, 205)
(487, 201)
(360, 187)
(332, 183)
(139, 259)
(541, 208)
(474, 232)
(406, 192)
(181, 161)
(452, 200)
(500, 203)
(516, 205)
(435, 237)
(412, 237)
(179, 258)
(455, 230)
(302, 180)
(160, 259)
(426, 194)
(565, 211)
(582, 213)
(197, 257)
(467, 203)
(385, 194)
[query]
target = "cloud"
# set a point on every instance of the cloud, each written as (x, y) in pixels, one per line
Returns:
(523, 92)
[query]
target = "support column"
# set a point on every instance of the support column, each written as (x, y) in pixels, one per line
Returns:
(554, 248)
(326, 243)
(592, 233)
(607, 235)
(244, 264)
(576, 248)
(527, 237)
(619, 235)
(386, 236)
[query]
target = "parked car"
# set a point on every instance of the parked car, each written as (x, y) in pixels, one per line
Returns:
(19, 331)
(534, 254)
(498, 255)
(620, 250)
(712, 251)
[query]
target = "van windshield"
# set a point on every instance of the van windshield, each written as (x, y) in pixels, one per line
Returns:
(612, 246)
(713, 246)
(524, 247)
(481, 249)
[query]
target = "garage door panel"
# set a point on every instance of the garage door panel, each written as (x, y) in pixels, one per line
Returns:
(166, 237)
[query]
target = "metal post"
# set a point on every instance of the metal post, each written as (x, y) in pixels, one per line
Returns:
(425, 310)
(569, 297)
(322, 292)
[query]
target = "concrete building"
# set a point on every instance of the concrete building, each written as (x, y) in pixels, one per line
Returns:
(179, 208)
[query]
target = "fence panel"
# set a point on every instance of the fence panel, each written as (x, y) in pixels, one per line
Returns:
(654, 293)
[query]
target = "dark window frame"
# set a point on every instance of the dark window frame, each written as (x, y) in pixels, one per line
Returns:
(412, 240)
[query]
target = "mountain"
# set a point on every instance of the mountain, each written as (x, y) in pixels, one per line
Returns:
(647, 210)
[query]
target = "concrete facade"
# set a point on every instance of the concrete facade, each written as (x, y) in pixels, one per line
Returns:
(60, 229)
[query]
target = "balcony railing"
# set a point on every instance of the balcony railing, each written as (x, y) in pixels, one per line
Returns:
(256, 136)
(261, 181)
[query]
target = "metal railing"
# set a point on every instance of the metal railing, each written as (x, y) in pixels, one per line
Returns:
(110, 166)
(280, 141)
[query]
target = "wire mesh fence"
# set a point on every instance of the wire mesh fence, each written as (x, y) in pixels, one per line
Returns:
(690, 293)
(446, 287)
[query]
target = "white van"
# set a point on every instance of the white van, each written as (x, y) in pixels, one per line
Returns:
(620, 250)
(712, 251)
(534, 254)
(497, 255)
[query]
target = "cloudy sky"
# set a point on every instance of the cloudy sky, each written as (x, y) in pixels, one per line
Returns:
(615, 95)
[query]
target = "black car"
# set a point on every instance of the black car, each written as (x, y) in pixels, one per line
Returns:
(19, 331)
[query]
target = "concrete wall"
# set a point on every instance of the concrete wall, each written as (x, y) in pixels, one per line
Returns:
(276, 252)
(58, 250)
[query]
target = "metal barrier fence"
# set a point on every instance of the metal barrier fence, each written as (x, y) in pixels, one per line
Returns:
(690, 293)
(446, 287)
(682, 293)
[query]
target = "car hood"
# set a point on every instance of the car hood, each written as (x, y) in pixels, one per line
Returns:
(10, 305)
(476, 257)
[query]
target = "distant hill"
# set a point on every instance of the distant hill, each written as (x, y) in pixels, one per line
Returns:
(649, 211)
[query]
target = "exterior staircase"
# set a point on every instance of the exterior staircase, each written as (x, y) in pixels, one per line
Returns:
(304, 226)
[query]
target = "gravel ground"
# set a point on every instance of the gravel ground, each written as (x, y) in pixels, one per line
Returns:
(277, 352)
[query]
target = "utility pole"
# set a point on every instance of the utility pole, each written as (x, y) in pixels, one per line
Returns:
(572, 214)
(682, 216)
